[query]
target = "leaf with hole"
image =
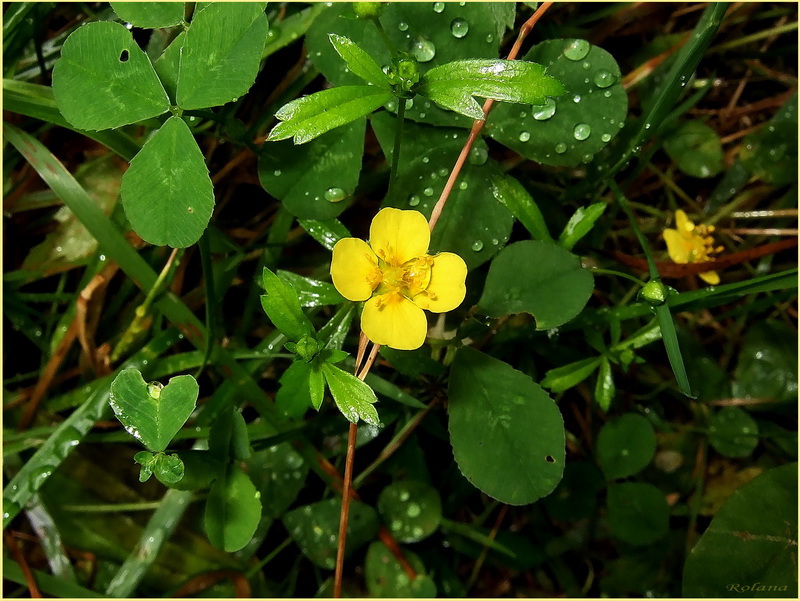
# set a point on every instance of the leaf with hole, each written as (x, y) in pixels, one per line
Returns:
(221, 54)
(152, 414)
(508, 440)
(572, 128)
(166, 192)
(539, 278)
(104, 80)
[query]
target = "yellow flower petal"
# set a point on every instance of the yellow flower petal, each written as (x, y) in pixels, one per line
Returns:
(394, 321)
(446, 289)
(398, 236)
(683, 224)
(678, 247)
(710, 277)
(354, 269)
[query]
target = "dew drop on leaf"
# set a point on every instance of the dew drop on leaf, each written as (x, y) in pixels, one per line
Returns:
(459, 27)
(524, 136)
(605, 137)
(463, 186)
(428, 191)
(402, 26)
(478, 156)
(603, 78)
(477, 245)
(576, 50)
(423, 50)
(335, 194)
(438, 7)
(545, 111)
(561, 148)
(413, 200)
(489, 38)
(582, 131)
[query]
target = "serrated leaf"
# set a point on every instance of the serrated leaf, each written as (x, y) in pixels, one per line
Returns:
(283, 308)
(150, 14)
(453, 85)
(104, 80)
(233, 510)
(580, 224)
(151, 416)
(167, 193)
(311, 116)
(540, 278)
(221, 54)
(358, 61)
(353, 397)
(508, 440)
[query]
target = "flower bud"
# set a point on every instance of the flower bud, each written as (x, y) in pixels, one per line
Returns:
(404, 75)
(368, 10)
(654, 293)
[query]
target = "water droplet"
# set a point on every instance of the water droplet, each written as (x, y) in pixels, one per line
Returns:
(40, 475)
(276, 173)
(443, 171)
(603, 78)
(587, 158)
(426, 160)
(577, 50)
(402, 26)
(495, 241)
(413, 200)
(459, 27)
(582, 131)
(423, 50)
(404, 495)
(463, 186)
(576, 99)
(561, 148)
(606, 137)
(335, 195)
(489, 38)
(545, 111)
(478, 156)
(413, 510)
(607, 93)
(428, 191)
(625, 452)
(477, 246)
(524, 136)
(102, 257)
(438, 7)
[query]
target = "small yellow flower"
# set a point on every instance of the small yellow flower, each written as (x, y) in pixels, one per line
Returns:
(690, 243)
(398, 278)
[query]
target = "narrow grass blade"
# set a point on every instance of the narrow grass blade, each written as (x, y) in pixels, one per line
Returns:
(51, 585)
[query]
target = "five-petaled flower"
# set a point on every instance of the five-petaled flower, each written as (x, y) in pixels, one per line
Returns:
(690, 243)
(397, 278)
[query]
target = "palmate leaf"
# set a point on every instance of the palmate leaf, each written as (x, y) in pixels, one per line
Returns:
(453, 85)
(358, 61)
(310, 116)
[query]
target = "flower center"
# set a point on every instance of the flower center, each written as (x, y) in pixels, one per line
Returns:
(701, 244)
(408, 279)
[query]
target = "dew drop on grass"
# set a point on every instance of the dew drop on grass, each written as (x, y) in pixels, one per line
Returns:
(582, 131)
(524, 136)
(545, 111)
(438, 7)
(423, 50)
(603, 78)
(577, 50)
(477, 246)
(335, 195)
(459, 27)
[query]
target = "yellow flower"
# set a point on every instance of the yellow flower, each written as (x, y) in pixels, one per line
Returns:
(398, 278)
(690, 243)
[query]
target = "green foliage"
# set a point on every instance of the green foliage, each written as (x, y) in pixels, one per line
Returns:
(411, 510)
(150, 14)
(637, 512)
(625, 446)
(232, 511)
(283, 308)
(387, 578)
(353, 397)
(696, 149)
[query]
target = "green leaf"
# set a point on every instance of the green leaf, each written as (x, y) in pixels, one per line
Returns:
(151, 414)
(769, 153)
(294, 396)
(512, 195)
(385, 576)
(146, 460)
(733, 433)
(352, 396)
(233, 510)
(604, 389)
(580, 224)
(418, 29)
(200, 469)
(312, 180)
(540, 278)
(221, 54)
(574, 127)
(453, 85)
(507, 440)
(767, 366)
(411, 510)
(315, 529)
(228, 439)
(637, 512)
(283, 308)
(358, 61)
(696, 149)
(150, 14)
(575, 497)
(167, 193)
(311, 292)
(311, 116)
(625, 446)
(673, 348)
(279, 473)
(104, 80)
(565, 377)
(168, 468)
(473, 225)
(327, 232)
(168, 63)
(751, 540)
